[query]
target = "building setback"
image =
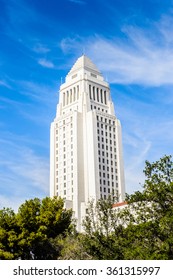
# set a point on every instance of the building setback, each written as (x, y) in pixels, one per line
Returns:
(85, 142)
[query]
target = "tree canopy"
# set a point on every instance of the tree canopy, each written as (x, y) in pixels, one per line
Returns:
(143, 229)
(29, 234)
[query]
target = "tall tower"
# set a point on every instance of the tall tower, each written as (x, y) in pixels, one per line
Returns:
(85, 147)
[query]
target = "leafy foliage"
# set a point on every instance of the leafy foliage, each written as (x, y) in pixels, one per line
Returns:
(144, 229)
(29, 234)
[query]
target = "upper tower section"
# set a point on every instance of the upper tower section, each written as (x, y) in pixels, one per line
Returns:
(84, 68)
(84, 89)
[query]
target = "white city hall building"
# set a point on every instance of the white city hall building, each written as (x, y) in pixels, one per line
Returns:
(85, 144)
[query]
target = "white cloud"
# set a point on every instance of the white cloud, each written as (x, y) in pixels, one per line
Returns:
(4, 84)
(39, 48)
(139, 58)
(46, 63)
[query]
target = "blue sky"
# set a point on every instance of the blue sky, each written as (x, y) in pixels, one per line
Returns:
(130, 41)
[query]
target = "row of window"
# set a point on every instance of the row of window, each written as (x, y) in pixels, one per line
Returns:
(106, 120)
(101, 132)
(98, 94)
(102, 139)
(99, 109)
(70, 96)
(101, 125)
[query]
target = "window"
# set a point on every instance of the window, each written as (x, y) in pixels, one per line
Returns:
(90, 91)
(105, 97)
(94, 93)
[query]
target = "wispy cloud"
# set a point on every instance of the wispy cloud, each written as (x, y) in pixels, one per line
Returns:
(4, 84)
(141, 58)
(39, 48)
(80, 2)
(22, 170)
(46, 63)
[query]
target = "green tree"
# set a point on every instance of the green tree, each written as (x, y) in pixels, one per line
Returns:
(103, 231)
(142, 230)
(8, 234)
(30, 233)
(152, 210)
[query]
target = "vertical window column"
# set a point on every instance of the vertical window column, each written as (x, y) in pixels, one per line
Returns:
(74, 96)
(105, 97)
(93, 93)
(90, 92)
(63, 101)
(77, 92)
(71, 96)
(98, 94)
(101, 95)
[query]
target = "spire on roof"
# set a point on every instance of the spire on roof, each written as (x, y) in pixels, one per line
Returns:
(86, 63)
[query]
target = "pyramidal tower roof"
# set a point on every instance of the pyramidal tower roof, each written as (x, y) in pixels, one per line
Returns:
(85, 63)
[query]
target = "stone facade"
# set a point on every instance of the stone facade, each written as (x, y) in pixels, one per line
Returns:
(85, 146)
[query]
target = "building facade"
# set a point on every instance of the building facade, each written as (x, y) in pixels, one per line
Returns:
(85, 142)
